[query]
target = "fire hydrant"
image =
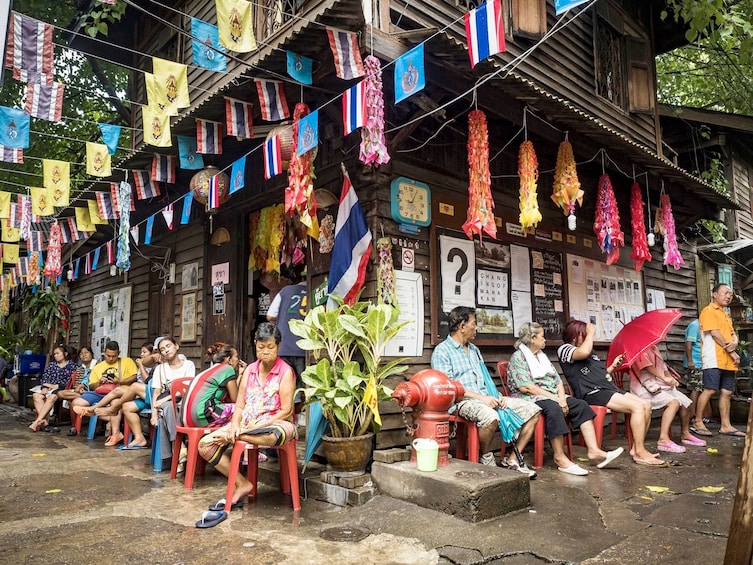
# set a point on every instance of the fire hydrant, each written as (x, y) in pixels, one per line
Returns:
(431, 393)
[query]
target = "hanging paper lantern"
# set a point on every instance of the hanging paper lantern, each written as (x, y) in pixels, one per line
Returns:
(373, 145)
(199, 185)
(33, 277)
(566, 190)
(481, 204)
(528, 171)
(299, 196)
(54, 267)
(672, 254)
(640, 253)
(607, 222)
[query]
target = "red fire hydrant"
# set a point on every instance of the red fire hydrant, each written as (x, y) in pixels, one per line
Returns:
(431, 393)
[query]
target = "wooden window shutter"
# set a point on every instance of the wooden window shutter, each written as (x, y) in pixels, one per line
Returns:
(640, 75)
(528, 18)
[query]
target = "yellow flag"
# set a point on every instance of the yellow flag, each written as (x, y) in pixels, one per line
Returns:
(4, 205)
(156, 97)
(156, 127)
(41, 203)
(371, 399)
(57, 178)
(9, 233)
(97, 160)
(172, 79)
(94, 213)
(235, 20)
(83, 221)
(10, 253)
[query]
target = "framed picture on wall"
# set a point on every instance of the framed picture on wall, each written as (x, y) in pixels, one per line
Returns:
(189, 279)
(188, 317)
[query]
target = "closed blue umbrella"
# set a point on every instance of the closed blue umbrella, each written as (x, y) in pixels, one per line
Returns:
(509, 420)
(317, 426)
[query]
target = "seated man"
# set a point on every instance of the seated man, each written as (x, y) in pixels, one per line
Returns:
(120, 372)
(461, 360)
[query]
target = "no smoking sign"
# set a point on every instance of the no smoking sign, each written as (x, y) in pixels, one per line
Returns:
(409, 259)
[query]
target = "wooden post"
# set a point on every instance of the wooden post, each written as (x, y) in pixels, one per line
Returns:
(740, 537)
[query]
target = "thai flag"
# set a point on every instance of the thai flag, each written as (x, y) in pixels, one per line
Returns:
(23, 267)
(30, 52)
(347, 54)
(272, 157)
(485, 31)
(145, 188)
(35, 241)
(75, 234)
(238, 118)
(274, 106)
(88, 264)
(163, 168)
(110, 252)
(213, 198)
(352, 248)
(208, 137)
(354, 107)
(168, 213)
(11, 155)
(45, 101)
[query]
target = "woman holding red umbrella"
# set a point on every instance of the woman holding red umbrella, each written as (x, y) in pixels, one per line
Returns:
(650, 379)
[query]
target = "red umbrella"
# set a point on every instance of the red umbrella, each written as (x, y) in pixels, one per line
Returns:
(637, 336)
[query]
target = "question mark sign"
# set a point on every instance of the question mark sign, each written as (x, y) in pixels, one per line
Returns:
(455, 252)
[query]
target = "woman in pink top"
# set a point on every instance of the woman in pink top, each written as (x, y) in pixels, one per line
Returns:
(263, 412)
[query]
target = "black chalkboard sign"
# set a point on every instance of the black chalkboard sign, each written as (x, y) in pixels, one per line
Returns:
(548, 292)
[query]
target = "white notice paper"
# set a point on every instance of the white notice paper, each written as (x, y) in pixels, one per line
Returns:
(409, 291)
(457, 265)
(521, 309)
(520, 266)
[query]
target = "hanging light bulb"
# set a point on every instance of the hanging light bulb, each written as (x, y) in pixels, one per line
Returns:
(651, 238)
(69, 275)
(572, 222)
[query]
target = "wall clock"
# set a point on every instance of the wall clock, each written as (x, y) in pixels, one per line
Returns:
(411, 202)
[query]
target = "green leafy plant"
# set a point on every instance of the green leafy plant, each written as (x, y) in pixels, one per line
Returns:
(716, 230)
(46, 315)
(14, 338)
(339, 381)
(98, 18)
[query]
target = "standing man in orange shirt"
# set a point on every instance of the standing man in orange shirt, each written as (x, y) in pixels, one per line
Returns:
(720, 361)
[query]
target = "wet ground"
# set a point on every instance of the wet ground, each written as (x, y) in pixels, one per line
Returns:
(69, 501)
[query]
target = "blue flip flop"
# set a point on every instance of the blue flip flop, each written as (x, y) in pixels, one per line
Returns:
(131, 447)
(220, 505)
(211, 519)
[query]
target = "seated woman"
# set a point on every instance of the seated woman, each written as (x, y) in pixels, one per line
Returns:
(592, 381)
(173, 366)
(56, 376)
(80, 378)
(263, 416)
(211, 397)
(651, 380)
(533, 377)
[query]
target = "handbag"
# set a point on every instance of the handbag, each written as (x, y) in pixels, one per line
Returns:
(107, 388)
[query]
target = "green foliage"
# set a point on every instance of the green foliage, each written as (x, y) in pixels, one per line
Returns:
(96, 21)
(714, 173)
(45, 315)
(716, 230)
(14, 336)
(339, 381)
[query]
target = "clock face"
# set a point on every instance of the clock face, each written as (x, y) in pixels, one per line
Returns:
(411, 202)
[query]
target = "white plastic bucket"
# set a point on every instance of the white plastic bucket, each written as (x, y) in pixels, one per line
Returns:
(427, 454)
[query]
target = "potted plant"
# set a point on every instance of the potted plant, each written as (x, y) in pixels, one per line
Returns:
(47, 318)
(353, 339)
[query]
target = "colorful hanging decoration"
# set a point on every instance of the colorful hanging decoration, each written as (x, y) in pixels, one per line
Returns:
(528, 171)
(659, 227)
(385, 272)
(5, 298)
(607, 222)
(54, 267)
(480, 202)
(373, 145)
(32, 277)
(299, 196)
(640, 253)
(566, 190)
(123, 259)
(266, 237)
(672, 254)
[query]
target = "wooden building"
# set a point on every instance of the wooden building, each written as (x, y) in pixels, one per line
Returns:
(587, 76)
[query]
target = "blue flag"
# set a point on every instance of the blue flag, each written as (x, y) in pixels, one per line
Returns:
(110, 137)
(206, 38)
(308, 132)
(186, 214)
(410, 76)
(14, 128)
(564, 5)
(75, 270)
(238, 175)
(299, 67)
(95, 258)
(149, 228)
(189, 158)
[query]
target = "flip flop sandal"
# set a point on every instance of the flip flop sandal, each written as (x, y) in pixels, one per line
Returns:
(211, 519)
(701, 431)
(219, 506)
(114, 440)
(50, 430)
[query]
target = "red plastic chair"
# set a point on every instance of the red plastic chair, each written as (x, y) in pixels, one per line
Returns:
(466, 439)
(288, 470)
(623, 383)
(601, 415)
(194, 463)
(539, 433)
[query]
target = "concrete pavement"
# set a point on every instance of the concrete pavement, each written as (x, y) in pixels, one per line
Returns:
(68, 501)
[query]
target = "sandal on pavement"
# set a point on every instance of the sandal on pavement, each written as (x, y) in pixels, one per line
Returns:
(574, 469)
(211, 519)
(656, 463)
(671, 447)
(515, 466)
(733, 433)
(114, 440)
(611, 456)
(694, 441)
(219, 506)
(700, 431)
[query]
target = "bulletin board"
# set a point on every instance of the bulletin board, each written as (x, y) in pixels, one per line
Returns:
(111, 320)
(507, 284)
(607, 296)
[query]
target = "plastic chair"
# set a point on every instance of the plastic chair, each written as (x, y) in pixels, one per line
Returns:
(288, 470)
(194, 463)
(539, 433)
(466, 440)
(619, 381)
(601, 415)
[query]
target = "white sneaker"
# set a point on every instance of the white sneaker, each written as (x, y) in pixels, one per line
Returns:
(514, 466)
(488, 459)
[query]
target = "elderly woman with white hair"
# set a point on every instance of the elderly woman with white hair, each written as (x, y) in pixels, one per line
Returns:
(533, 377)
